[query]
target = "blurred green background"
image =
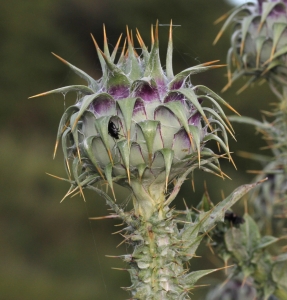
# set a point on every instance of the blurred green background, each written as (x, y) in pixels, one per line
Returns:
(51, 250)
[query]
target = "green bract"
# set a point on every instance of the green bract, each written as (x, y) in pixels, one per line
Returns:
(258, 43)
(140, 126)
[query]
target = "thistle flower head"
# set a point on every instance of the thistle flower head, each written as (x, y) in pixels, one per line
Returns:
(258, 43)
(139, 125)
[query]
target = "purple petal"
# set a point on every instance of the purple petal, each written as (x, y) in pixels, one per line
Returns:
(176, 85)
(103, 106)
(195, 119)
(181, 144)
(161, 87)
(119, 92)
(139, 112)
(145, 90)
(174, 96)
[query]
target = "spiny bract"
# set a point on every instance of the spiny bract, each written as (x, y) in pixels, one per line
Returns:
(258, 43)
(138, 125)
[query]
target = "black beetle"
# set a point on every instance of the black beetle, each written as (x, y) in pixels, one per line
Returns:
(113, 130)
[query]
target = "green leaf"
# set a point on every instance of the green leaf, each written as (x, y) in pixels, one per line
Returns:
(266, 241)
(251, 234)
(89, 126)
(279, 274)
(92, 148)
(191, 278)
(234, 242)
(127, 107)
(168, 155)
(210, 218)
(124, 148)
(109, 177)
(190, 246)
(149, 129)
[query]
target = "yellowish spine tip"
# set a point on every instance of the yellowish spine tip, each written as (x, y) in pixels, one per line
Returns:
(106, 47)
(229, 76)
(242, 47)
(118, 42)
(39, 95)
(66, 195)
(132, 39)
(217, 37)
(129, 37)
(103, 218)
(232, 109)
(110, 156)
(105, 35)
(220, 19)
(100, 172)
(140, 40)
(208, 63)
(170, 31)
(226, 87)
(81, 191)
(124, 48)
(217, 66)
(95, 42)
(114, 53)
(55, 149)
(156, 32)
(60, 58)
(243, 88)
(152, 35)
(129, 175)
(166, 182)
(132, 43)
(99, 51)
(68, 167)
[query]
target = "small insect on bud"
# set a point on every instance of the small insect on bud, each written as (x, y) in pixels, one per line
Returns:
(233, 218)
(113, 130)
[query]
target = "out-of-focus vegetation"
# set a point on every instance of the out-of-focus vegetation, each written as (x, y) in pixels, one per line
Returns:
(50, 250)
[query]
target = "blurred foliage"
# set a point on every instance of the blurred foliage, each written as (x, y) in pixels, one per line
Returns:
(51, 250)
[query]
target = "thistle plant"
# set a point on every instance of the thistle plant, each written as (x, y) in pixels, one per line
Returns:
(258, 50)
(146, 129)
